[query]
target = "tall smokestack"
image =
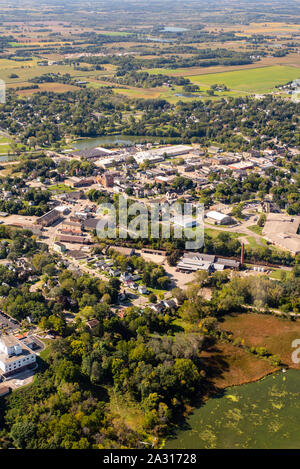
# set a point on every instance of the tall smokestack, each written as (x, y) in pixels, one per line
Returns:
(242, 254)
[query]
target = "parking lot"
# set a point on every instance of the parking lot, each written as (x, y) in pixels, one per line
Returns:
(7, 325)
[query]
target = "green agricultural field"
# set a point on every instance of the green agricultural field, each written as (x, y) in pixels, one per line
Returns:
(115, 33)
(5, 147)
(27, 72)
(255, 80)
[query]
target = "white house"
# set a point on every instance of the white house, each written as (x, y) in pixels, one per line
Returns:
(142, 289)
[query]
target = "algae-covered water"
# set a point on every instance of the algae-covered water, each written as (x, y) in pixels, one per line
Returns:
(265, 414)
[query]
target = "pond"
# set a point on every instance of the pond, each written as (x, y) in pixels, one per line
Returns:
(157, 39)
(7, 158)
(85, 144)
(174, 29)
(189, 95)
(265, 414)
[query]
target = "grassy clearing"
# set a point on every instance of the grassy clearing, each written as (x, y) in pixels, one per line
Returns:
(115, 33)
(278, 273)
(127, 410)
(256, 229)
(28, 71)
(7, 63)
(142, 93)
(214, 233)
(54, 87)
(5, 148)
(254, 243)
(4, 139)
(61, 188)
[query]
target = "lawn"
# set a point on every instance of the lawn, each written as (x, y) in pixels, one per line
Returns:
(214, 233)
(61, 188)
(277, 274)
(254, 243)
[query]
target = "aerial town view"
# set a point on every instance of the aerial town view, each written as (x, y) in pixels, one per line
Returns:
(149, 226)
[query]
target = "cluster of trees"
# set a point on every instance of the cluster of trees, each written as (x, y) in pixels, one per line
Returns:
(47, 117)
(67, 405)
(141, 359)
(32, 202)
(261, 293)
(38, 165)
(203, 58)
(146, 80)
(153, 275)
(16, 243)
(65, 78)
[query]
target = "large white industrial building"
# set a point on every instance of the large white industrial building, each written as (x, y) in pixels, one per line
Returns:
(219, 218)
(14, 355)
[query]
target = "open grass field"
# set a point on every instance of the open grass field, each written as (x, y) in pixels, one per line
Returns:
(252, 242)
(214, 233)
(278, 273)
(114, 33)
(260, 330)
(55, 87)
(292, 60)
(140, 93)
(7, 63)
(40, 44)
(258, 80)
(267, 28)
(5, 145)
(256, 229)
(27, 72)
(61, 188)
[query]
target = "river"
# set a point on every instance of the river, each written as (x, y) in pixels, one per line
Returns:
(265, 414)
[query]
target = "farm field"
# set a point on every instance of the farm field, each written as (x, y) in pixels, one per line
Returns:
(5, 145)
(27, 72)
(54, 87)
(259, 80)
(292, 60)
(262, 28)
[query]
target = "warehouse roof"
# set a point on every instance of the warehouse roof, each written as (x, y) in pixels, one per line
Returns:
(216, 215)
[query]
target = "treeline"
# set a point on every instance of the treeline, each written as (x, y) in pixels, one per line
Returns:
(65, 78)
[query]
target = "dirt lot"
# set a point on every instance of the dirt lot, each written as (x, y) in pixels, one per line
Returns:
(19, 220)
(260, 330)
